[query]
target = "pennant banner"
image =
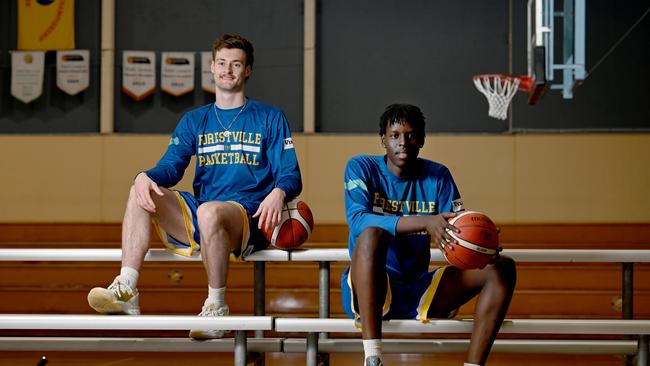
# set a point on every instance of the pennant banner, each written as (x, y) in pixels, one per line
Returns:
(72, 69)
(138, 74)
(45, 25)
(207, 79)
(27, 75)
(177, 73)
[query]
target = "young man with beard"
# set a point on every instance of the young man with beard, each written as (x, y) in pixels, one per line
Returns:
(246, 167)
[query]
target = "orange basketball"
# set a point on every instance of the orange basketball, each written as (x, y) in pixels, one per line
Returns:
(296, 224)
(477, 242)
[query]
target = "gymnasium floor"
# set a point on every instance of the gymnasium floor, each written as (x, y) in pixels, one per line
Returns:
(279, 359)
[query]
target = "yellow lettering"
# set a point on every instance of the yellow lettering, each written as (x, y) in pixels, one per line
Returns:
(254, 161)
(376, 198)
(258, 138)
(201, 160)
(394, 205)
(236, 136)
(210, 138)
(432, 206)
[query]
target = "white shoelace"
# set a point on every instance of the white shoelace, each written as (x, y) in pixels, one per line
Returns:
(121, 290)
(212, 310)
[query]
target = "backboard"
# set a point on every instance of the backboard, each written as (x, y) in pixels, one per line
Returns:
(556, 46)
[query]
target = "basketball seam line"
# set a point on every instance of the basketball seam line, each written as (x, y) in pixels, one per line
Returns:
(472, 246)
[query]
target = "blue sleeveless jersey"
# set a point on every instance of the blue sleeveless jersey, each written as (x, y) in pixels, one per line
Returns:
(242, 165)
(375, 197)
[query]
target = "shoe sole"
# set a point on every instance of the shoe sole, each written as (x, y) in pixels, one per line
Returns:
(206, 334)
(105, 303)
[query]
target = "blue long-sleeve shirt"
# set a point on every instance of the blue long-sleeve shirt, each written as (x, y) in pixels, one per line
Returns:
(375, 197)
(243, 163)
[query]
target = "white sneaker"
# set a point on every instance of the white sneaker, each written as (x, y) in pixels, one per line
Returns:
(118, 298)
(210, 309)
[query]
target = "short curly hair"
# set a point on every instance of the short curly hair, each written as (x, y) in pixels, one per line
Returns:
(402, 113)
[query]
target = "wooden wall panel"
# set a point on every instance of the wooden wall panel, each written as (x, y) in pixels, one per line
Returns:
(520, 178)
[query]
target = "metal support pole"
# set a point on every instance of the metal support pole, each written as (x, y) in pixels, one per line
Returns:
(628, 299)
(628, 290)
(579, 41)
(240, 348)
(568, 49)
(324, 303)
(312, 349)
(324, 291)
(642, 356)
(259, 293)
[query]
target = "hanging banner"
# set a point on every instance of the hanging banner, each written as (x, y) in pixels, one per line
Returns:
(177, 73)
(138, 74)
(27, 75)
(207, 79)
(72, 70)
(45, 24)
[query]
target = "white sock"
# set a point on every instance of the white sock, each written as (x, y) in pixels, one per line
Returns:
(130, 276)
(217, 295)
(372, 347)
(470, 364)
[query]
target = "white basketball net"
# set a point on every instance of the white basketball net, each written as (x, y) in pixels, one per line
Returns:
(499, 90)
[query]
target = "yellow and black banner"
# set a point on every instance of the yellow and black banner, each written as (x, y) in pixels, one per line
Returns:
(45, 24)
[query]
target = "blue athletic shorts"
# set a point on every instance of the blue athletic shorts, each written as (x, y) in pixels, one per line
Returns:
(404, 300)
(252, 237)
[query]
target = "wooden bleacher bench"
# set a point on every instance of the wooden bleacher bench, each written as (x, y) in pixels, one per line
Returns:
(519, 255)
(314, 343)
(135, 344)
(115, 255)
(239, 324)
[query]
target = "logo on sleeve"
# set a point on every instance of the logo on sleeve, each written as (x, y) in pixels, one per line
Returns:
(288, 143)
(457, 205)
(174, 141)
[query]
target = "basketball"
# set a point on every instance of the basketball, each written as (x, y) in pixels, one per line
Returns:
(477, 242)
(296, 224)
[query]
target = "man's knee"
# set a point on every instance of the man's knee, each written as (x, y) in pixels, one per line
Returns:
(212, 215)
(132, 200)
(370, 240)
(506, 270)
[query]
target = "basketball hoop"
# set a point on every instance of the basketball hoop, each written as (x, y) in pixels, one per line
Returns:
(499, 90)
